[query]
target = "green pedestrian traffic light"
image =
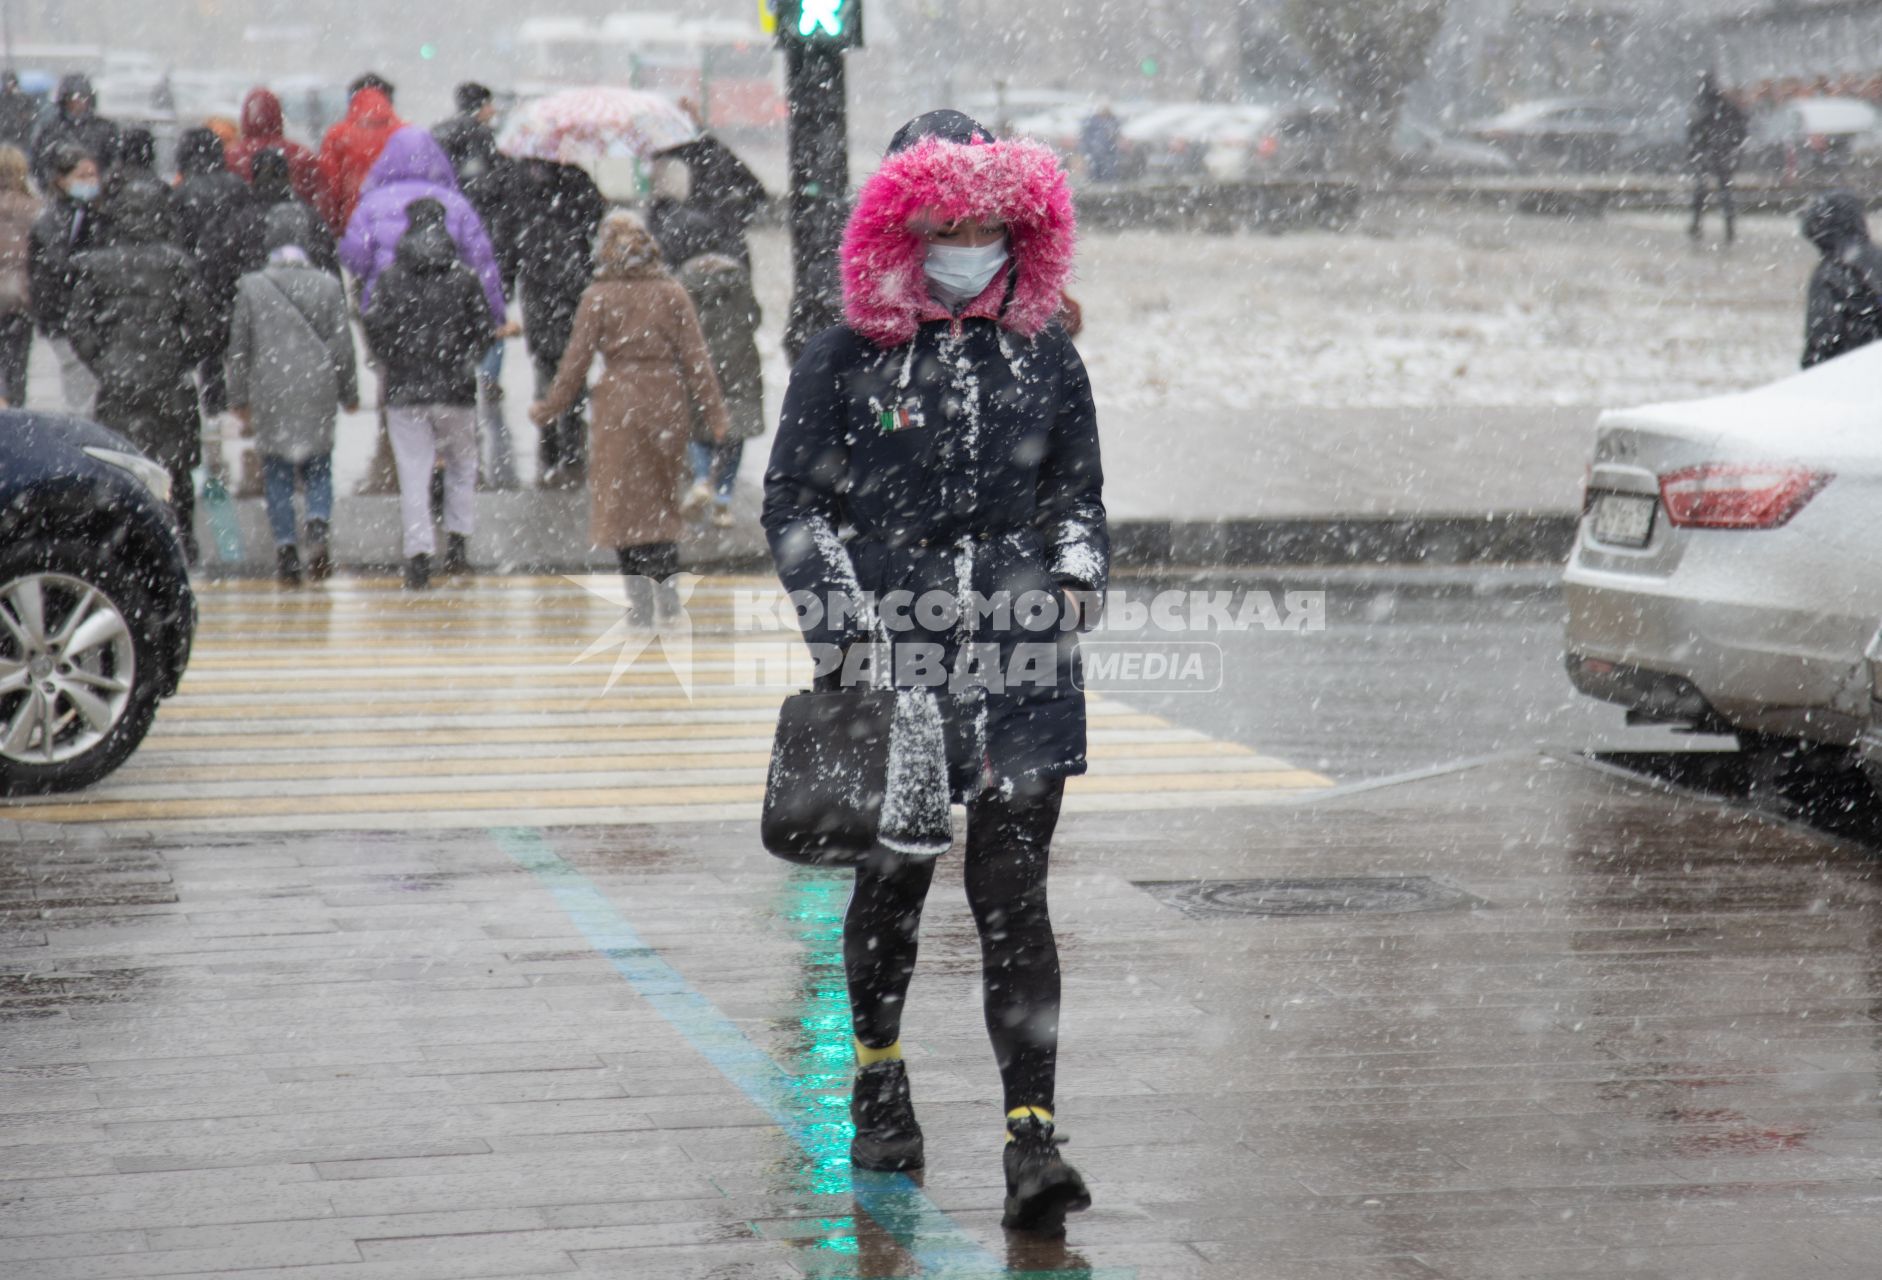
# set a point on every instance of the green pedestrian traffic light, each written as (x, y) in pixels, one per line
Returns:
(834, 24)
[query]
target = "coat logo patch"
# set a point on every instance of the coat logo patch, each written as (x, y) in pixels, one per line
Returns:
(901, 417)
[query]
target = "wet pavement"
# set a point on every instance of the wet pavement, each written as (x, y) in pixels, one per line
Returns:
(1534, 1016)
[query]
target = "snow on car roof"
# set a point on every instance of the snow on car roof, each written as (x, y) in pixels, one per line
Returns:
(1833, 405)
(1540, 108)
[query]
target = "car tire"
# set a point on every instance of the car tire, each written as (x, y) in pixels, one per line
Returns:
(95, 726)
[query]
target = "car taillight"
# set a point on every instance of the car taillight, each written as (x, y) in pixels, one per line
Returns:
(1733, 496)
(1268, 145)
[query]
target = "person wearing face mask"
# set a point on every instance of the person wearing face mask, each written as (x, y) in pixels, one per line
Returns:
(949, 423)
(66, 228)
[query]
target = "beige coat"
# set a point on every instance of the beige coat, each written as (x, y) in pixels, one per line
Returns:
(656, 375)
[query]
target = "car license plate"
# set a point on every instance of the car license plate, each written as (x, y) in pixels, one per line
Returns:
(1624, 519)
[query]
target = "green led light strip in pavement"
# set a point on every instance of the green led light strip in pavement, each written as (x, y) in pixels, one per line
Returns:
(810, 1106)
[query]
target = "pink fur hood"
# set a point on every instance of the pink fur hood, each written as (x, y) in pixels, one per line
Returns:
(885, 290)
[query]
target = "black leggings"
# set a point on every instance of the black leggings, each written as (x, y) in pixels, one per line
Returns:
(1008, 843)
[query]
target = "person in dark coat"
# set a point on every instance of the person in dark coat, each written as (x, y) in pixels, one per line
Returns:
(729, 316)
(136, 173)
(485, 175)
(205, 189)
(949, 422)
(705, 199)
(684, 232)
(139, 317)
(723, 187)
(65, 229)
(19, 113)
(561, 209)
(74, 119)
(428, 326)
(1714, 137)
(488, 179)
(1099, 138)
(234, 243)
(1844, 310)
(207, 194)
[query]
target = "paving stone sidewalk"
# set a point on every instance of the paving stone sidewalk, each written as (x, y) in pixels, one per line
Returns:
(1648, 1049)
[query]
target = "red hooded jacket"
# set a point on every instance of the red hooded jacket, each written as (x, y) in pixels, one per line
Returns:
(348, 151)
(262, 131)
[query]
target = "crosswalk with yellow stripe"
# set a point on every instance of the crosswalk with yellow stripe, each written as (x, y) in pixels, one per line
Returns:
(356, 706)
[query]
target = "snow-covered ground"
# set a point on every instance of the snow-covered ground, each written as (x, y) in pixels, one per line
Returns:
(1456, 308)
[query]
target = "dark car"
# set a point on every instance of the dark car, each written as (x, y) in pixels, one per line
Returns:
(96, 611)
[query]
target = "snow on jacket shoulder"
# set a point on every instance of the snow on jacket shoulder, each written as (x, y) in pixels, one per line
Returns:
(414, 167)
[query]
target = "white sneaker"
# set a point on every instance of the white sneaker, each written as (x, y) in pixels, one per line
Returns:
(722, 518)
(696, 497)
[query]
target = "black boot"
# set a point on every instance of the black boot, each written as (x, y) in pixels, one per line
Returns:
(287, 565)
(456, 553)
(418, 572)
(319, 557)
(1040, 1187)
(887, 1138)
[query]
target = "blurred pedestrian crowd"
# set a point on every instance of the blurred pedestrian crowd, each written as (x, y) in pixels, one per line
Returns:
(221, 303)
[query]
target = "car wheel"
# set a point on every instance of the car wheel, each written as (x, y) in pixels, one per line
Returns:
(79, 670)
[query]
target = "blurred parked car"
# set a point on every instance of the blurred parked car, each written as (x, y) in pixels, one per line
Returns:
(1811, 135)
(96, 612)
(1562, 135)
(1173, 141)
(1301, 138)
(1421, 150)
(1725, 576)
(1659, 145)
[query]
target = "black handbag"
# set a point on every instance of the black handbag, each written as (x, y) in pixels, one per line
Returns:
(829, 771)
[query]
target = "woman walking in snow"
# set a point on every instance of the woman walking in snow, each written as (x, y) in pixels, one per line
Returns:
(656, 382)
(949, 423)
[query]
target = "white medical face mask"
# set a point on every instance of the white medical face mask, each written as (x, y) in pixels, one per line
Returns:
(960, 274)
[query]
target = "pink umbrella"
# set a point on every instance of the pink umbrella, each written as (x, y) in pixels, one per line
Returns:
(587, 126)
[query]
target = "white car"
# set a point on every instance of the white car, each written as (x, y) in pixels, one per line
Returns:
(1726, 573)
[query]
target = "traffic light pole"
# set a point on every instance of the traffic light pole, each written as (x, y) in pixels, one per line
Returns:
(820, 179)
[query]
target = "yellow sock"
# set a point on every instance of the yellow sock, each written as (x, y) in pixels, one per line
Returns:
(1021, 1113)
(867, 1057)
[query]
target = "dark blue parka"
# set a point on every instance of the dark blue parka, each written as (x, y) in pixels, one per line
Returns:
(926, 452)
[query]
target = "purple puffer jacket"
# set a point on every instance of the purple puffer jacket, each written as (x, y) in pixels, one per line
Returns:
(413, 167)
